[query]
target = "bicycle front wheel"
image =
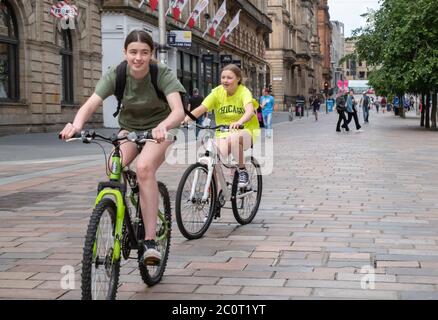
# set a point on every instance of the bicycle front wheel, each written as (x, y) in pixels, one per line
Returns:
(193, 213)
(100, 274)
(152, 274)
(245, 201)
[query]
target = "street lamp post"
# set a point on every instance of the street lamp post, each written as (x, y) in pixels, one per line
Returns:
(162, 47)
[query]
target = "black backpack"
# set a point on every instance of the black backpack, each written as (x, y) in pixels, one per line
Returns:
(121, 83)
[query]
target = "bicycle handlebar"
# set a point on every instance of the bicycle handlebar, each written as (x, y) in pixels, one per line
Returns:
(222, 128)
(86, 136)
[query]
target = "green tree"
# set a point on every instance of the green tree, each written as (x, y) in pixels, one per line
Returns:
(401, 41)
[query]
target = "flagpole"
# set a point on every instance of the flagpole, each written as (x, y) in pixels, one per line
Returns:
(206, 30)
(187, 22)
(162, 50)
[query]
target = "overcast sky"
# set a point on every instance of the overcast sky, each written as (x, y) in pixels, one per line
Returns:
(349, 11)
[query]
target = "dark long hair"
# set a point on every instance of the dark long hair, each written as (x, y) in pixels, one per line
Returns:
(139, 36)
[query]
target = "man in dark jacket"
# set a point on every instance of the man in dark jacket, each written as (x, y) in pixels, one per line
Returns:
(340, 108)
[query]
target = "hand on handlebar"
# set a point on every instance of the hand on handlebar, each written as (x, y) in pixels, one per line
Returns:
(159, 133)
(236, 125)
(69, 131)
(186, 120)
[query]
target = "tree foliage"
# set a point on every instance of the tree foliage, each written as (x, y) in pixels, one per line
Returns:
(401, 41)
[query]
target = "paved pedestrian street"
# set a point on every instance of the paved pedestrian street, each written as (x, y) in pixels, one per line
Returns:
(343, 216)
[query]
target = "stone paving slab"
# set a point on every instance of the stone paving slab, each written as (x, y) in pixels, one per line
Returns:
(335, 207)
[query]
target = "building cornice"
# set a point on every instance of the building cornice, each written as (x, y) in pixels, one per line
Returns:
(258, 17)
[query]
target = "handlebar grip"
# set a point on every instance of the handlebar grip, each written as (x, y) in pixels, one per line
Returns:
(75, 136)
(148, 135)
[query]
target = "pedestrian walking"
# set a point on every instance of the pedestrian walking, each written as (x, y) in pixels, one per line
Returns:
(377, 104)
(195, 101)
(299, 106)
(383, 104)
(260, 117)
(365, 103)
(396, 104)
(340, 109)
(267, 104)
(316, 104)
(352, 111)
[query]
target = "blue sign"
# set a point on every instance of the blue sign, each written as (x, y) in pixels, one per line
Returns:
(330, 105)
(179, 38)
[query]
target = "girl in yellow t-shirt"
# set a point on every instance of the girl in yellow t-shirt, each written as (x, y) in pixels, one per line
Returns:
(232, 104)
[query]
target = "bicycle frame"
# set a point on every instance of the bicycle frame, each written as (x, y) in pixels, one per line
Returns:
(213, 166)
(116, 189)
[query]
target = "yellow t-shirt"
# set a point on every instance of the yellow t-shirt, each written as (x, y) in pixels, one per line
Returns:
(229, 109)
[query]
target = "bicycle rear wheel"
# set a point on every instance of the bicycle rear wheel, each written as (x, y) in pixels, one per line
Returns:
(150, 274)
(245, 201)
(100, 274)
(193, 215)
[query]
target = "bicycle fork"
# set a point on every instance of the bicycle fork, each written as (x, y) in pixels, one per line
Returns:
(120, 205)
(207, 161)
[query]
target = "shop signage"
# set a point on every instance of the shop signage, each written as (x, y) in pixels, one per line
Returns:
(179, 38)
(207, 58)
(226, 58)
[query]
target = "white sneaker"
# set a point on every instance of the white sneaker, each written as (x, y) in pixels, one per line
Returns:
(151, 254)
(360, 130)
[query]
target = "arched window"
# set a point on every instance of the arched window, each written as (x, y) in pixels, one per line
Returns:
(8, 53)
(67, 66)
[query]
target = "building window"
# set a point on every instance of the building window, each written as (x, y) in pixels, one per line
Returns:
(8, 53)
(67, 67)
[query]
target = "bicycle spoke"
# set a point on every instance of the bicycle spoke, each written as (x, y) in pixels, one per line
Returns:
(102, 266)
(194, 212)
(247, 200)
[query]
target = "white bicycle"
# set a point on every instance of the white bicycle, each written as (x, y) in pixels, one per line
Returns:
(197, 198)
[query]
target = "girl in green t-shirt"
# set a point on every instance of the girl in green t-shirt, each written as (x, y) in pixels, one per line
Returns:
(142, 110)
(232, 104)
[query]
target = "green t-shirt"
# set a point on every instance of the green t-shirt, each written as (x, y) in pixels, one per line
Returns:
(229, 109)
(142, 109)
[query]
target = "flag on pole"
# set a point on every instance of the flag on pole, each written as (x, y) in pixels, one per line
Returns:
(200, 6)
(233, 24)
(220, 14)
(152, 3)
(176, 7)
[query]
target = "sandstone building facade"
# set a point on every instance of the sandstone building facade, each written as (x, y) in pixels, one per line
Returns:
(299, 47)
(47, 68)
(199, 65)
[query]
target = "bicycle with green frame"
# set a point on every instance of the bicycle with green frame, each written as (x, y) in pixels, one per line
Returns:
(116, 225)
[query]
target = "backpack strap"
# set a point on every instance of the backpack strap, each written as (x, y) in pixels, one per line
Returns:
(153, 69)
(120, 85)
